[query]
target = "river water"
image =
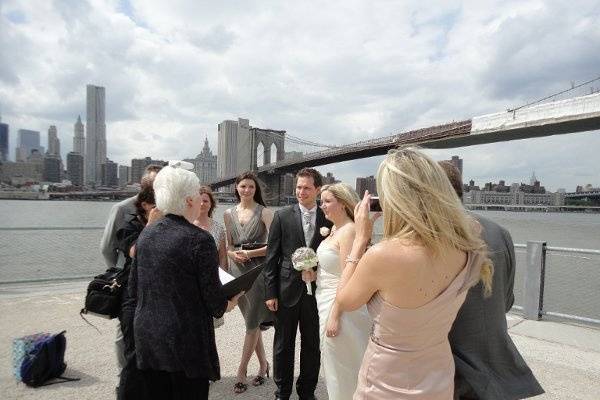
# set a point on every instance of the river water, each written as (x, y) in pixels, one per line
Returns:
(29, 250)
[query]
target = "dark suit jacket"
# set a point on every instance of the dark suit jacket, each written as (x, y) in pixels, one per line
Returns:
(488, 364)
(175, 280)
(282, 281)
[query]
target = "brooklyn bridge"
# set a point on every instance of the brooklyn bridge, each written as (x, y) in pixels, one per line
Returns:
(577, 114)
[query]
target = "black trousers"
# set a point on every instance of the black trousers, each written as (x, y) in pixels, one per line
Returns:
(306, 316)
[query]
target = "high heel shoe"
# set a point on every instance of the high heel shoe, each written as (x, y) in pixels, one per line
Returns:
(259, 379)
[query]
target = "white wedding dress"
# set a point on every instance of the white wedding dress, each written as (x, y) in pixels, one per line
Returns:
(341, 356)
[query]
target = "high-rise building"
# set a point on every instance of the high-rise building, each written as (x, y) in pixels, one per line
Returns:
(78, 138)
(109, 172)
(205, 164)
(52, 168)
(75, 168)
(27, 141)
(3, 142)
(457, 162)
(287, 183)
(233, 147)
(369, 183)
(124, 175)
(138, 167)
(53, 142)
(95, 139)
(329, 179)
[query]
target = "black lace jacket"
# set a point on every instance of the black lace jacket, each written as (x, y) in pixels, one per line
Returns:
(176, 283)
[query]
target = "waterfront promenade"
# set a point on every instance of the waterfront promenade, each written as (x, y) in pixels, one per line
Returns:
(564, 357)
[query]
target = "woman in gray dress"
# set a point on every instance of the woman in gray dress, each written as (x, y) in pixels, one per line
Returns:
(205, 221)
(248, 223)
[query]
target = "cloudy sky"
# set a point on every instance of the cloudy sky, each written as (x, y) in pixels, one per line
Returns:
(333, 72)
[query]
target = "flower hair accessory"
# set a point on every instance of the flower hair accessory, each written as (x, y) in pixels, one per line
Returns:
(324, 231)
(305, 259)
(181, 164)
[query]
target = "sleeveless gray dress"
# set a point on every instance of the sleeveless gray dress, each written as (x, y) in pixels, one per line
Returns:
(252, 304)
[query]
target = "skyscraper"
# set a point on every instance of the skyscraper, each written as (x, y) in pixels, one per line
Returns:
(138, 167)
(109, 173)
(78, 138)
(75, 168)
(3, 142)
(27, 141)
(52, 168)
(205, 164)
(95, 139)
(124, 175)
(233, 147)
(53, 142)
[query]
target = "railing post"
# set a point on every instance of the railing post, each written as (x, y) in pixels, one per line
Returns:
(535, 273)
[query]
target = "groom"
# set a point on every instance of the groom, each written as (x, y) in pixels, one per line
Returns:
(294, 227)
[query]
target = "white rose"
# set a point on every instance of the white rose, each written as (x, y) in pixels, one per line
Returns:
(324, 231)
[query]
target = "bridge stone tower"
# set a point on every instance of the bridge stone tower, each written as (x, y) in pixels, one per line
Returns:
(268, 138)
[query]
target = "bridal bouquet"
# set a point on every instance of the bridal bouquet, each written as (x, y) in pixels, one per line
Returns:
(305, 259)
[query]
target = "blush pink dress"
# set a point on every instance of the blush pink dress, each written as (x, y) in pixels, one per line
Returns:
(408, 355)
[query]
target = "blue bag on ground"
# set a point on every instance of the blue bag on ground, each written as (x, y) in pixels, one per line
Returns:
(45, 361)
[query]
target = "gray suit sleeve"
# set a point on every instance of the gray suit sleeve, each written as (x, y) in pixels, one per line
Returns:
(108, 244)
(510, 270)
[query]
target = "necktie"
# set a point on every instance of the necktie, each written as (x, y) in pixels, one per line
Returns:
(309, 228)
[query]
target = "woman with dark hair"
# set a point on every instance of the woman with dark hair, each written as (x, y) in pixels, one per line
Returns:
(205, 221)
(248, 224)
(130, 383)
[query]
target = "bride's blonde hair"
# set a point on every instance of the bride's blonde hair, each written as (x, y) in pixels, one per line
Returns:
(345, 195)
(419, 204)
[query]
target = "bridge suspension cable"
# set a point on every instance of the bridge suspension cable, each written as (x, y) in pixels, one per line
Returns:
(297, 140)
(554, 95)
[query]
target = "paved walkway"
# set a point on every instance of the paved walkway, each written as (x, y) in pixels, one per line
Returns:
(565, 358)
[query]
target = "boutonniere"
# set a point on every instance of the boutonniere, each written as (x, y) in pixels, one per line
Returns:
(324, 231)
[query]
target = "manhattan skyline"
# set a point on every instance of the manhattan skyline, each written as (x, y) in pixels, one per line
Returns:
(172, 74)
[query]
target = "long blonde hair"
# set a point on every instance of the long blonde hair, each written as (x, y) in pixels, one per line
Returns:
(345, 195)
(420, 205)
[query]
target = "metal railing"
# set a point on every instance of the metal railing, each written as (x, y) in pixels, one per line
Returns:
(578, 294)
(558, 282)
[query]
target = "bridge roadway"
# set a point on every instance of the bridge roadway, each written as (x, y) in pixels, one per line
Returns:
(578, 114)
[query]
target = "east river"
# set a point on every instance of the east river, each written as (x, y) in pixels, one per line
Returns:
(55, 239)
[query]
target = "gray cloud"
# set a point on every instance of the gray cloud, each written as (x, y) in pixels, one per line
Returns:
(173, 71)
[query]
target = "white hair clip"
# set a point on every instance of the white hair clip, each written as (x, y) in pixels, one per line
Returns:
(181, 164)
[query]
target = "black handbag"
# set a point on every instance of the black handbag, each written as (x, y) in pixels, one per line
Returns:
(252, 246)
(104, 293)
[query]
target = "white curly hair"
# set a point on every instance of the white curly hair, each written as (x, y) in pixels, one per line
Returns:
(172, 186)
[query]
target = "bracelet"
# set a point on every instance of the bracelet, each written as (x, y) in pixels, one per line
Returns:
(352, 260)
(246, 253)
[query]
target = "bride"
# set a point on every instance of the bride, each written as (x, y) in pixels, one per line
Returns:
(343, 336)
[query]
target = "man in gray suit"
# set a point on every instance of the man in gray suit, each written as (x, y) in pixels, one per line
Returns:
(488, 364)
(120, 213)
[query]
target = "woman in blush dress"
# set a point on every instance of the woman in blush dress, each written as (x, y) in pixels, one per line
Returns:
(414, 281)
(248, 223)
(205, 221)
(343, 335)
